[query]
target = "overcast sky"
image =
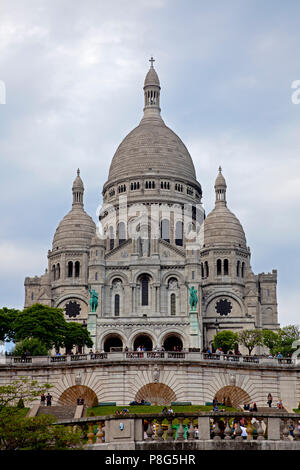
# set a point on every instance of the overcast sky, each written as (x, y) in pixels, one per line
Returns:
(73, 73)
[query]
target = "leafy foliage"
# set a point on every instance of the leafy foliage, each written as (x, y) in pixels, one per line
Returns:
(38, 433)
(33, 346)
(46, 328)
(250, 339)
(7, 317)
(75, 334)
(42, 322)
(227, 340)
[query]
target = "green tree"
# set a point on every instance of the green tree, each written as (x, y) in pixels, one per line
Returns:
(40, 321)
(250, 339)
(77, 335)
(270, 340)
(7, 317)
(38, 433)
(287, 335)
(34, 346)
(226, 340)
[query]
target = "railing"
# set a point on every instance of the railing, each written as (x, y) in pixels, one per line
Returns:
(148, 355)
(201, 426)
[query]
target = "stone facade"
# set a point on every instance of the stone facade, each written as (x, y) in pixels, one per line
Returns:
(155, 244)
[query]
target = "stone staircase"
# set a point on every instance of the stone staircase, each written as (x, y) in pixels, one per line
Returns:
(273, 409)
(60, 412)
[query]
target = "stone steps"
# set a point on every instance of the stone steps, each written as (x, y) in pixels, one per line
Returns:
(60, 412)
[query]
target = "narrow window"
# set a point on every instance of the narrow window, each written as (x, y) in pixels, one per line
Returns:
(165, 230)
(96, 276)
(173, 304)
(178, 233)
(219, 267)
(145, 289)
(243, 269)
(206, 269)
(117, 305)
(77, 269)
(226, 267)
(122, 234)
(238, 264)
(70, 269)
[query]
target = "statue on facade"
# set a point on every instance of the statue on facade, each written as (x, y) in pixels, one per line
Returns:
(93, 300)
(193, 298)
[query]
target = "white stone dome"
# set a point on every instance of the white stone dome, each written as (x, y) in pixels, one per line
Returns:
(221, 227)
(152, 147)
(77, 228)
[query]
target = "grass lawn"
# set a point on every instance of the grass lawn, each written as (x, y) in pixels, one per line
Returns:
(140, 409)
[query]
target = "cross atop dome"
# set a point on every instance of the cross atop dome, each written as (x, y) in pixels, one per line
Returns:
(152, 60)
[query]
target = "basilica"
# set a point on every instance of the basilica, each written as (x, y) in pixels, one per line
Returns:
(150, 248)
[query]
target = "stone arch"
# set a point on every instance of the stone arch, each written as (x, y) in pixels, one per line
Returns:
(169, 275)
(70, 296)
(167, 340)
(156, 393)
(225, 293)
(234, 395)
(70, 396)
(173, 332)
(143, 332)
(112, 340)
(109, 333)
(119, 275)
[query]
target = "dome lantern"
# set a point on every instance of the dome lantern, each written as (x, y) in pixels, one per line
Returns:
(152, 92)
(220, 188)
(78, 190)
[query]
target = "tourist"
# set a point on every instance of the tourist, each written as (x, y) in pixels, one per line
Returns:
(279, 355)
(279, 404)
(254, 407)
(244, 432)
(170, 411)
(49, 399)
(43, 399)
(246, 407)
(269, 400)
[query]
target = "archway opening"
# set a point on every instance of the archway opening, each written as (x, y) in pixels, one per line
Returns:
(173, 343)
(232, 396)
(144, 342)
(70, 396)
(156, 393)
(113, 343)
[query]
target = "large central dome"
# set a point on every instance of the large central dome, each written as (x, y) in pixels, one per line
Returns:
(152, 148)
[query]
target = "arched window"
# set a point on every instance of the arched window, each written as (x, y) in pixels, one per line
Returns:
(238, 264)
(58, 271)
(70, 269)
(173, 304)
(53, 273)
(219, 267)
(206, 269)
(117, 305)
(226, 267)
(122, 233)
(179, 233)
(165, 230)
(96, 276)
(111, 238)
(77, 269)
(243, 269)
(202, 270)
(145, 290)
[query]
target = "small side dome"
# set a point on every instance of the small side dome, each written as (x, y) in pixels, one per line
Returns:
(221, 227)
(77, 228)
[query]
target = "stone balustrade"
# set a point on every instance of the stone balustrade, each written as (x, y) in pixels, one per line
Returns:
(146, 355)
(154, 431)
